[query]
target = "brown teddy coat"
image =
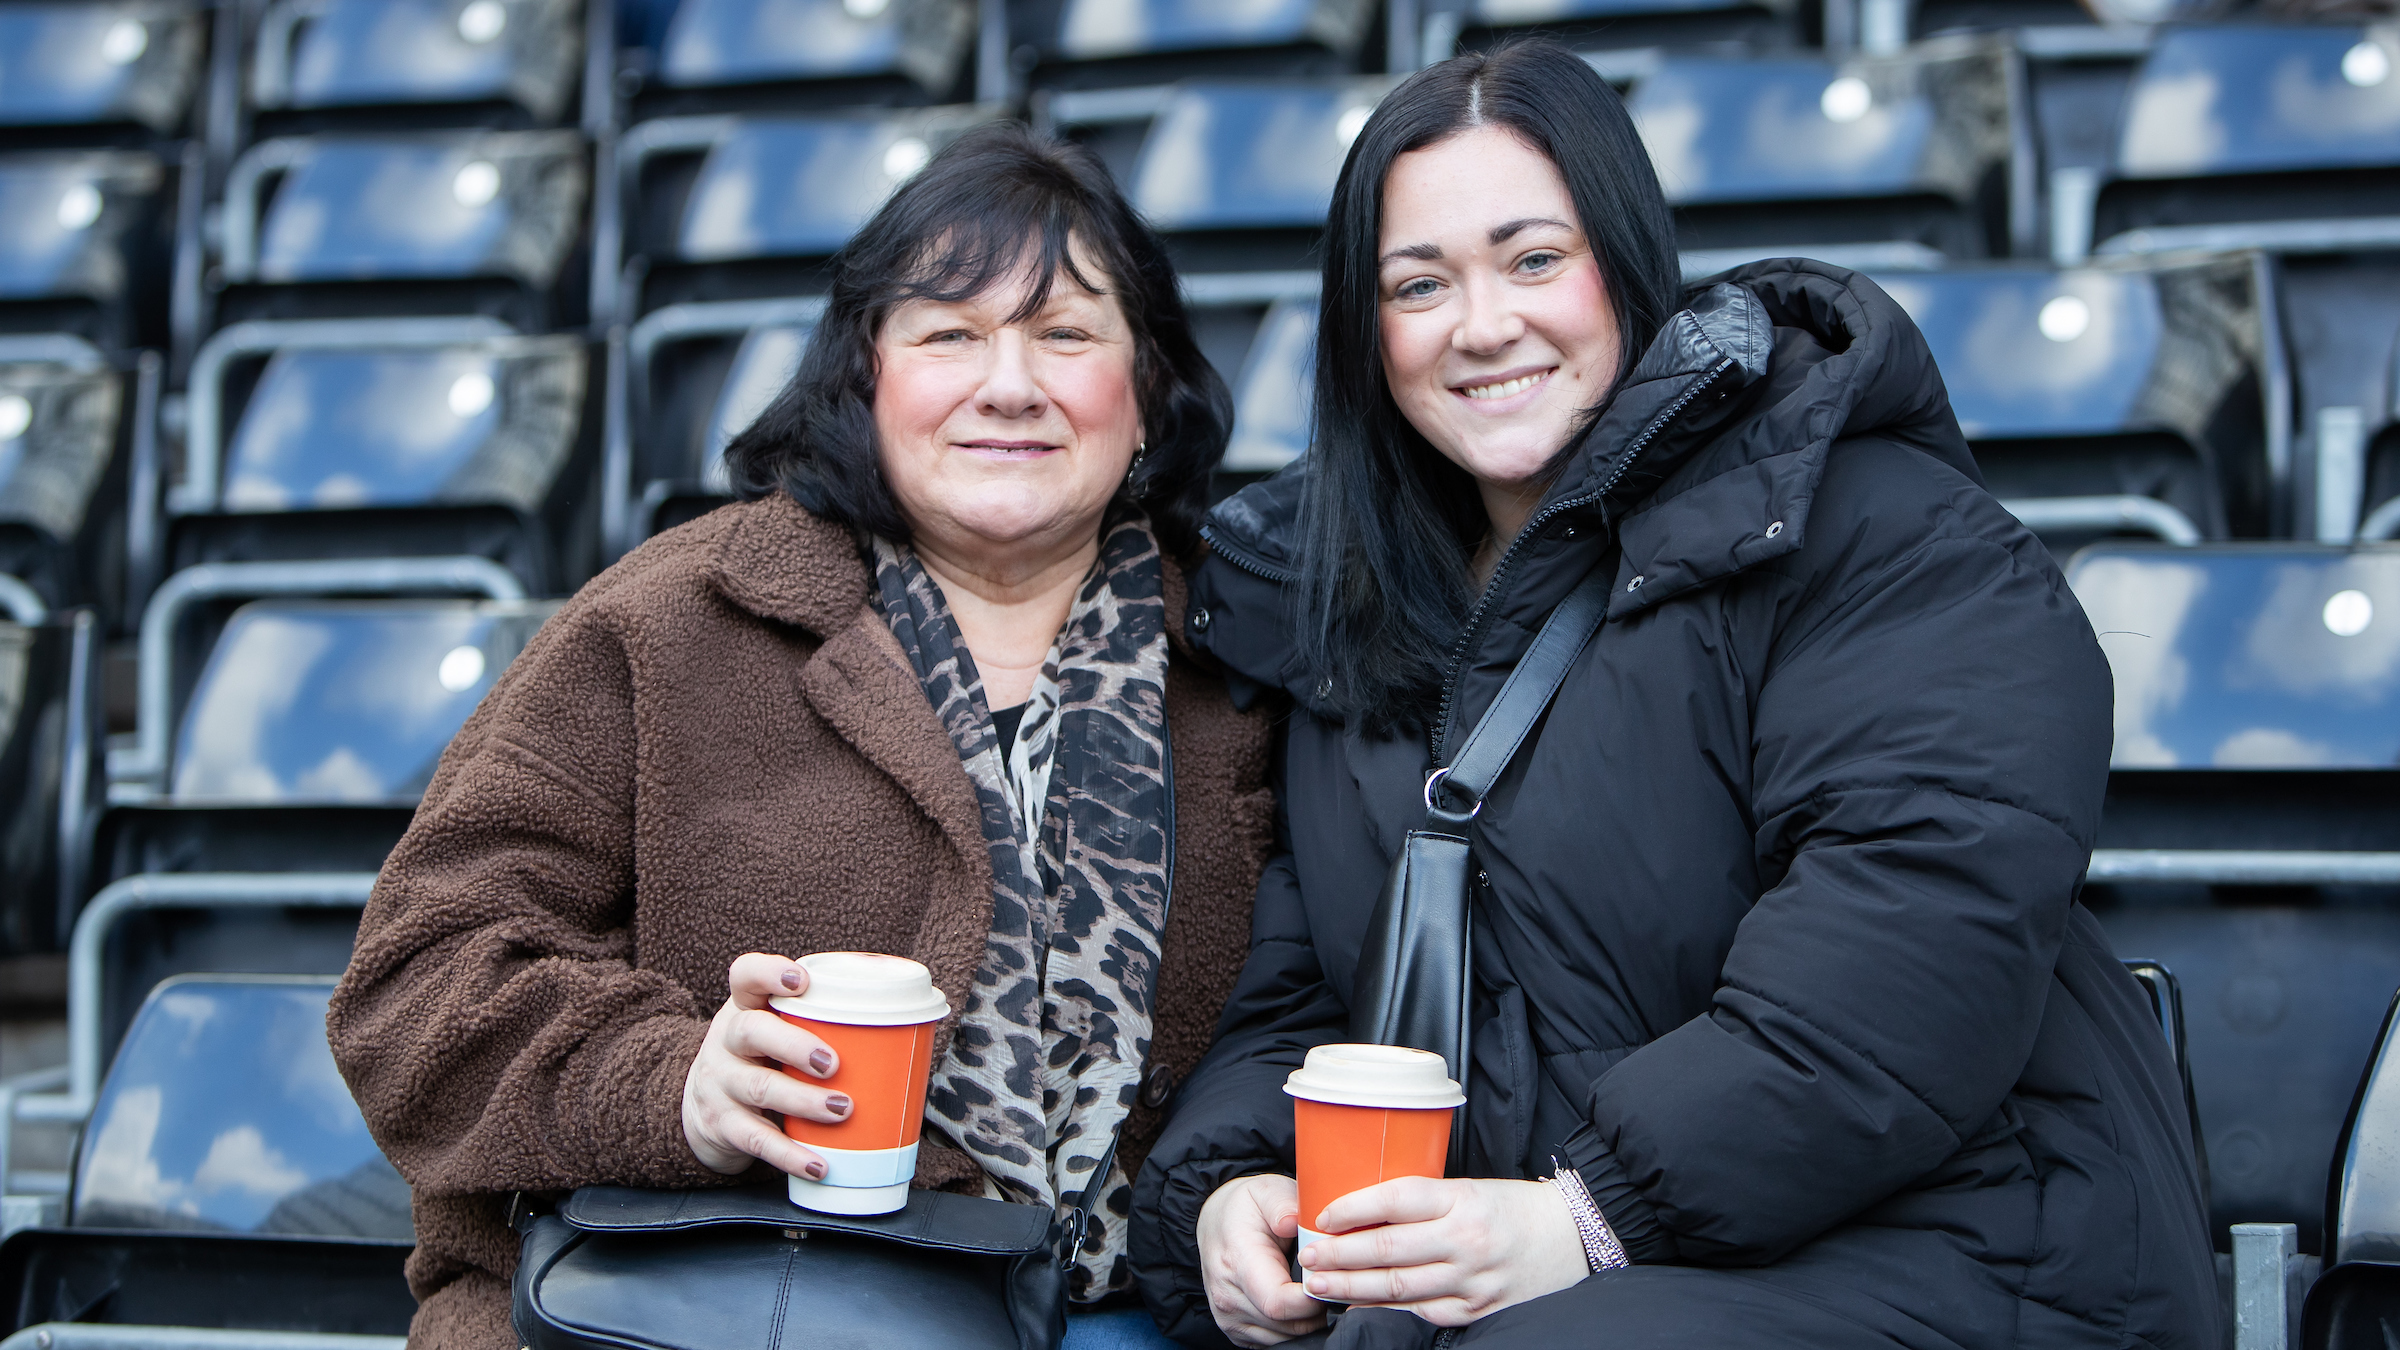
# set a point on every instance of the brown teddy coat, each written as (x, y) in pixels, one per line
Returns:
(715, 748)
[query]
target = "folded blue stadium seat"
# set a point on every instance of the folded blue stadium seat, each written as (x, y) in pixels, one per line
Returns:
(2357, 1300)
(450, 215)
(1866, 161)
(1082, 44)
(225, 1179)
(1616, 24)
(691, 378)
(305, 737)
(394, 437)
(713, 44)
(1223, 156)
(98, 65)
(75, 233)
(2106, 400)
(2276, 136)
(1273, 397)
(325, 54)
(2250, 839)
(760, 199)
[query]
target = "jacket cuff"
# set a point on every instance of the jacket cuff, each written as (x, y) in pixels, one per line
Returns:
(1630, 1216)
(1167, 1258)
(634, 1103)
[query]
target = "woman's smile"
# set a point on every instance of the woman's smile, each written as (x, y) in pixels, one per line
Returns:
(1499, 392)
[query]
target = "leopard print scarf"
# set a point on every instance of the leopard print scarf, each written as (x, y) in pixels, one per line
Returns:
(1050, 1047)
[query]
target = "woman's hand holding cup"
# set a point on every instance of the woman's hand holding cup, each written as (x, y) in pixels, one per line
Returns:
(1449, 1251)
(739, 1075)
(1246, 1231)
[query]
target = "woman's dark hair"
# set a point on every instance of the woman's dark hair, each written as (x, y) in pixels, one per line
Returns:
(1389, 523)
(992, 202)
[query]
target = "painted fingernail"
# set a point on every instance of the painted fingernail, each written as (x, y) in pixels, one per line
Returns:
(838, 1104)
(792, 979)
(821, 1062)
(815, 1170)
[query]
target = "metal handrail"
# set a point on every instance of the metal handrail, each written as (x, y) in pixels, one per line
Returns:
(2245, 867)
(105, 1336)
(11, 1090)
(145, 763)
(160, 890)
(2125, 512)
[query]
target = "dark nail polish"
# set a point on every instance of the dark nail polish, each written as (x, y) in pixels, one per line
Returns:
(838, 1104)
(815, 1170)
(820, 1062)
(791, 979)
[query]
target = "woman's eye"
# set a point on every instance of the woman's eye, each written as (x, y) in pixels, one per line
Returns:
(1063, 335)
(1535, 262)
(1417, 289)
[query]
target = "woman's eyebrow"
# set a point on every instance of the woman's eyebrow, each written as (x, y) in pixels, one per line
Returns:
(1502, 233)
(1420, 252)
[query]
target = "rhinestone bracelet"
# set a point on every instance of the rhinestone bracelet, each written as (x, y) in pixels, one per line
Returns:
(1601, 1250)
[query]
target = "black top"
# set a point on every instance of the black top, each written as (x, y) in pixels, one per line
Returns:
(1004, 721)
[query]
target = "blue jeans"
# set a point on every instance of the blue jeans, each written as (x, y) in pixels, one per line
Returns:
(1114, 1329)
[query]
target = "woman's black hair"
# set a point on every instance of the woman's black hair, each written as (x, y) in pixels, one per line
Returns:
(1389, 524)
(991, 203)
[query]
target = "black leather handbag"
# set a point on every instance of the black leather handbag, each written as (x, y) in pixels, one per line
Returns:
(618, 1268)
(1414, 968)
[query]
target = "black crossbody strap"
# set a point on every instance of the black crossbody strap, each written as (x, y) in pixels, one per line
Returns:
(1459, 787)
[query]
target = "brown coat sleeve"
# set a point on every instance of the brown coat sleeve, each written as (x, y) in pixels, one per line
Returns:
(492, 1024)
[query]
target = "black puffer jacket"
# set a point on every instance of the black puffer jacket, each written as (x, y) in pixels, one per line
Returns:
(1781, 945)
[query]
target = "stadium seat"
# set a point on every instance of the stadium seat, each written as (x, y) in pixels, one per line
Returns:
(68, 418)
(2283, 137)
(1239, 175)
(305, 737)
(1273, 396)
(328, 54)
(1872, 161)
(2104, 400)
(811, 52)
(225, 1180)
(686, 380)
(1087, 44)
(1606, 25)
(79, 244)
(723, 207)
(70, 70)
(477, 210)
(2357, 1301)
(2342, 333)
(390, 437)
(2249, 840)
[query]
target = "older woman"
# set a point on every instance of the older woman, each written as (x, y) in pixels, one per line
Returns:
(1786, 1027)
(923, 692)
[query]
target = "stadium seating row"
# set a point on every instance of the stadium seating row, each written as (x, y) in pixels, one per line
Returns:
(339, 337)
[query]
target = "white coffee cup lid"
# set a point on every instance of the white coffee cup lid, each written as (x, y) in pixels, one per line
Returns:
(1390, 1076)
(865, 989)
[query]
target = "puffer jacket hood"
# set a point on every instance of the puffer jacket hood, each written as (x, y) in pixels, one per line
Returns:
(1776, 940)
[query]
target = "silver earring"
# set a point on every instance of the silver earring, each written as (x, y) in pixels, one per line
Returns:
(1140, 452)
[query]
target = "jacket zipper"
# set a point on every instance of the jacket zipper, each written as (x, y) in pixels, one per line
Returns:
(1244, 560)
(1476, 617)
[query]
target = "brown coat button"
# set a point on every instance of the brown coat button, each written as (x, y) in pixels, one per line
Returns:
(1159, 1086)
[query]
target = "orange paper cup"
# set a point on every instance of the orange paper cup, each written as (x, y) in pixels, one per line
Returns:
(877, 1014)
(1365, 1114)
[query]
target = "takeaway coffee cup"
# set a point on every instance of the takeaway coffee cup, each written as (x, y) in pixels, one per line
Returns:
(1364, 1114)
(878, 1014)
